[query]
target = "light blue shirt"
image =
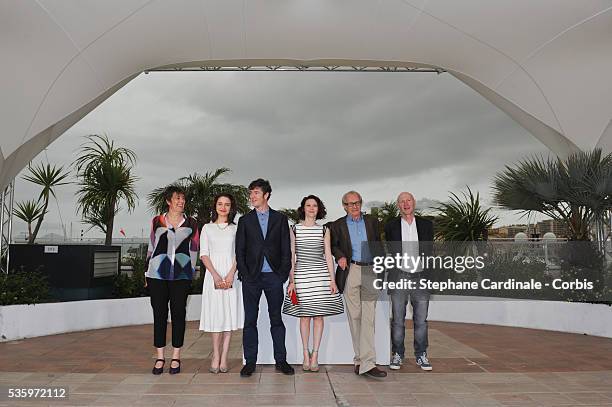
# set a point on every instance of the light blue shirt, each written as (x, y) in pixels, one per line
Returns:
(263, 223)
(358, 235)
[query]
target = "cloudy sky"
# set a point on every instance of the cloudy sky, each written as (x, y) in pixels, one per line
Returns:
(307, 132)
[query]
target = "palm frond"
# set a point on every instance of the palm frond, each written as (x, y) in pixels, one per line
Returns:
(576, 190)
(106, 179)
(291, 214)
(200, 190)
(98, 217)
(463, 218)
(29, 211)
(48, 177)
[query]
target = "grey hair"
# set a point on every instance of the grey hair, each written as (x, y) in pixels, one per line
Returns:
(351, 193)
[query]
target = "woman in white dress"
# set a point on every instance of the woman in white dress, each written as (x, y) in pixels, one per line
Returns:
(222, 310)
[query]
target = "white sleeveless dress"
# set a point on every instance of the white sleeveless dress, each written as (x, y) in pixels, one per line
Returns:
(221, 309)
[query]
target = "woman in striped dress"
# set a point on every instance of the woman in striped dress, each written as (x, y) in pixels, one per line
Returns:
(312, 278)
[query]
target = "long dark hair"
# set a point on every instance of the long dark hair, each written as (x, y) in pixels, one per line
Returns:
(232, 213)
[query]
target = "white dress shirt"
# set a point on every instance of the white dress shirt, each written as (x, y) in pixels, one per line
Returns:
(410, 243)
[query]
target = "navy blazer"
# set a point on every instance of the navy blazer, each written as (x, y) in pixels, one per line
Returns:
(393, 232)
(251, 247)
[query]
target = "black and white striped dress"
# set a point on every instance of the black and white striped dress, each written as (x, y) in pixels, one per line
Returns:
(311, 276)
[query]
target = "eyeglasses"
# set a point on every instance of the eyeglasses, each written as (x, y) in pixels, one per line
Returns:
(349, 204)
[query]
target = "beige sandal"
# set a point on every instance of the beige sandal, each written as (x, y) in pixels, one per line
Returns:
(306, 363)
(314, 367)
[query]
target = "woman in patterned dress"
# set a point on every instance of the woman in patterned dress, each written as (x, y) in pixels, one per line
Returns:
(312, 278)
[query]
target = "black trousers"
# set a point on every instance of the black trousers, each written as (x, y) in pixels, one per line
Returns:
(272, 286)
(162, 292)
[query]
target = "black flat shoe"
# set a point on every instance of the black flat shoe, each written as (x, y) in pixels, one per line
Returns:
(175, 370)
(248, 369)
(285, 368)
(158, 370)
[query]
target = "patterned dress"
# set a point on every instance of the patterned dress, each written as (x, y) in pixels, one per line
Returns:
(311, 276)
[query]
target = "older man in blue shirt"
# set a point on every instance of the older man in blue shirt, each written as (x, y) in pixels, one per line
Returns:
(351, 235)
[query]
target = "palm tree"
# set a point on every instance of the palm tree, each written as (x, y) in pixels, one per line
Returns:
(48, 177)
(97, 217)
(463, 221)
(291, 214)
(576, 191)
(200, 193)
(106, 178)
(384, 213)
(387, 211)
(29, 211)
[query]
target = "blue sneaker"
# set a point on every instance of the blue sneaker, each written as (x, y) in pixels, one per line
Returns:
(421, 360)
(396, 362)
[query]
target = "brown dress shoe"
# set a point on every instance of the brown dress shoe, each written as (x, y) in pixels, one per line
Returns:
(356, 369)
(375, 373)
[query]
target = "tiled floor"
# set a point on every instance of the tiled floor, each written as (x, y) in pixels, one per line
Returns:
(474, 365)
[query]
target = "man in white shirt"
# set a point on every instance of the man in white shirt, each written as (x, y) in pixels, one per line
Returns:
(413, 235)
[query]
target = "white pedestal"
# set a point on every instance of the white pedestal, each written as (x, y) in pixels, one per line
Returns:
(336, 344)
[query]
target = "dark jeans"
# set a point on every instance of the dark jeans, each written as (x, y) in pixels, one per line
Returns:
(419, 299)
(162, 292)
(272, 286)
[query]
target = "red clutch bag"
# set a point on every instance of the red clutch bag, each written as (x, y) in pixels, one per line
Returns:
(294, 299)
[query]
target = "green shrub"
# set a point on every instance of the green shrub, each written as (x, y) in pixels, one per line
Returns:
(24, 287)
(578, 261)
(585, 261)
(125, 286)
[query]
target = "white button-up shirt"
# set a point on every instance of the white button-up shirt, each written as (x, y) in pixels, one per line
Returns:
(410, 243)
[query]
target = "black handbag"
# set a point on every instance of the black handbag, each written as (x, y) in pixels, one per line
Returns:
(341, 276)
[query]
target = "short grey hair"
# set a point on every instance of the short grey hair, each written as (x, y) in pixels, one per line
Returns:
(351, 193)
(405, 192)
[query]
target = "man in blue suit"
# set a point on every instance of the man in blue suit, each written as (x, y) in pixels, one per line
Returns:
(263, 257)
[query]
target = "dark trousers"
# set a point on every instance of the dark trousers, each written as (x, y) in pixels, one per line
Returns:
(419, 299)
(272, 286)
(162, 292)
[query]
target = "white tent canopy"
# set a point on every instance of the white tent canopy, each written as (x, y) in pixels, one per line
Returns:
(546, 63)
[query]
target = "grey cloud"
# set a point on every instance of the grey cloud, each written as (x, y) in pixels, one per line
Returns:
(305, 132)
(372, 204)
(340, 127)
(426, 205)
